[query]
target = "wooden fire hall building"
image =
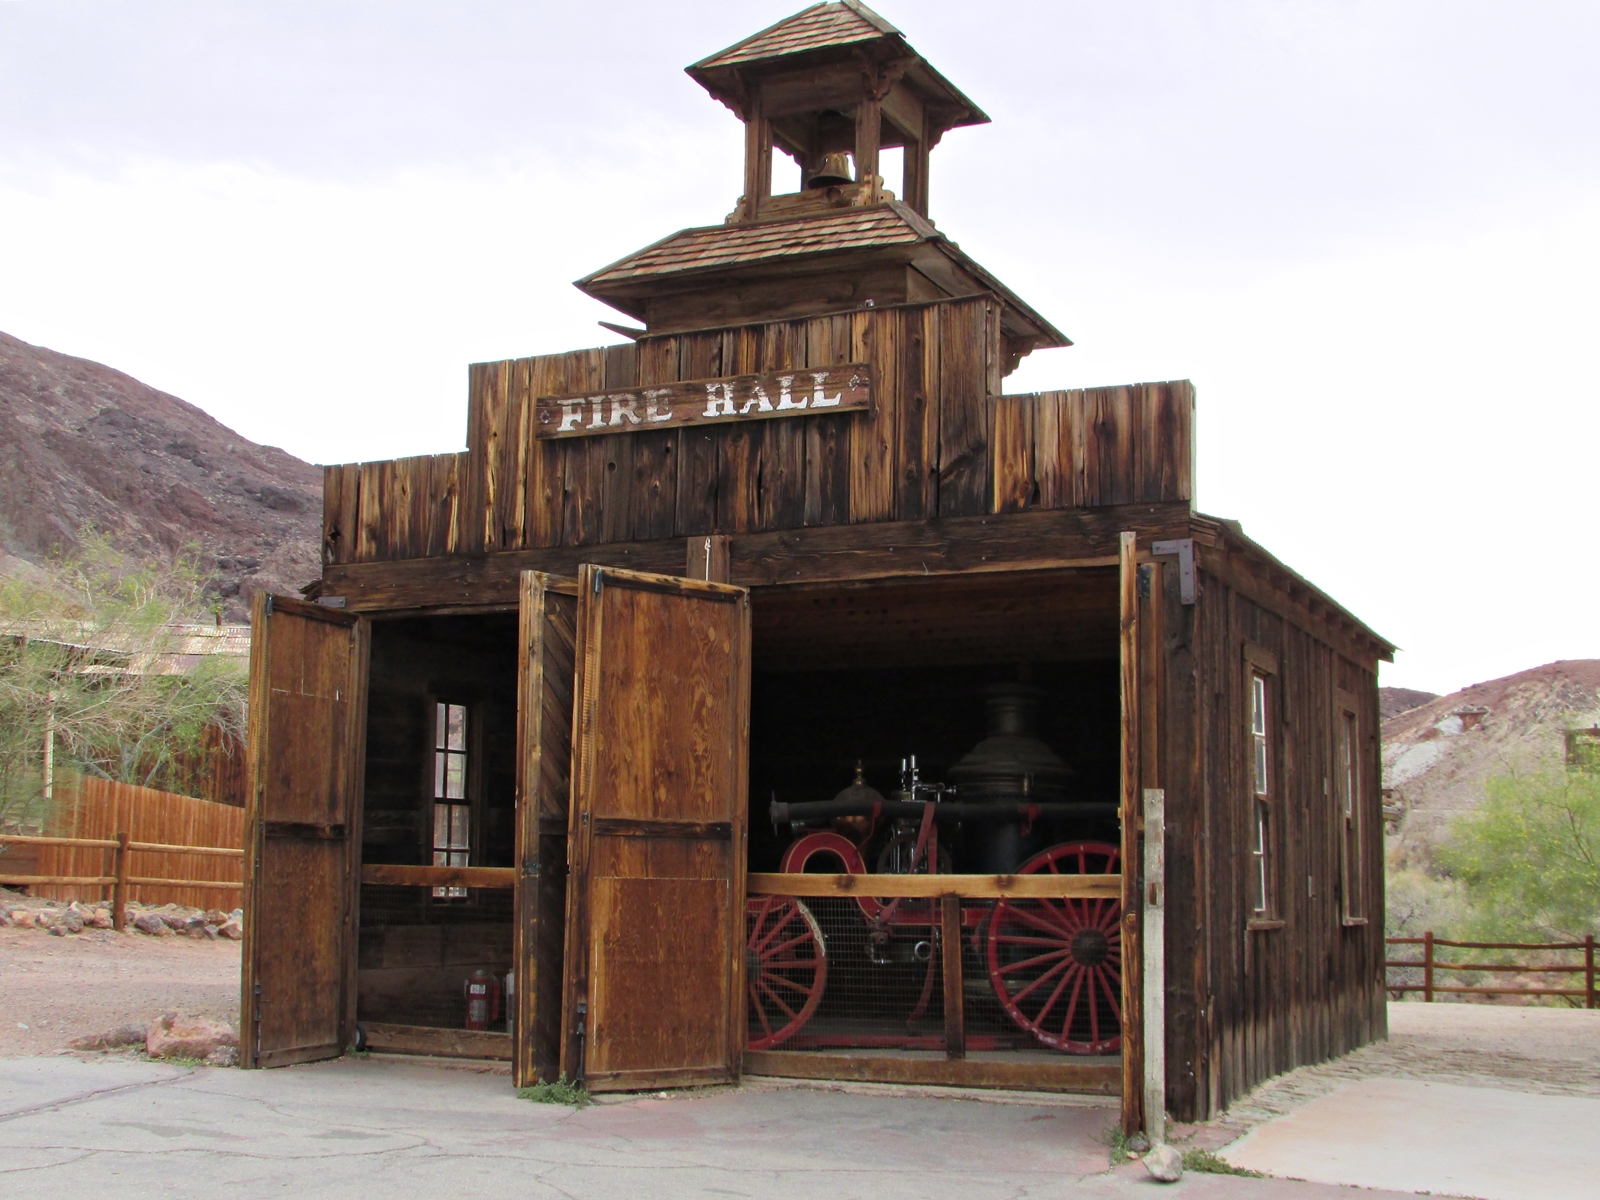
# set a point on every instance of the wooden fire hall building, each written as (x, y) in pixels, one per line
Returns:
(771, 693)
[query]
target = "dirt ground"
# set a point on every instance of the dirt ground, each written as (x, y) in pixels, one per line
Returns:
(53, 989)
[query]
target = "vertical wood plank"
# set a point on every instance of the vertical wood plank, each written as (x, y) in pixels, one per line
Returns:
(546, 482)
(781, 500)
(1012, 456)
(473, 488)
(827, 439)
(616, 451)
(917, 434)
(963, 409)
(370, 485)
(655, 455)
(583, 459)
(955, 1018)
(1132, 1031)
(699, 357)
(444, 503)
(739, 444)
(874, 340)
(508, 461)
(1050, 473)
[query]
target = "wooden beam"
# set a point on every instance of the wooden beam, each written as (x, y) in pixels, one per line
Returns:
(973, 887)
(391, 875)
(1059, 1075)
(442, 1043)
(1044, 540)
(1128, 580)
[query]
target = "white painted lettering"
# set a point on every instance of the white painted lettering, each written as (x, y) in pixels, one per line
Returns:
(719, 405)
(571, 414)
(785, 400)
(598, 405)
(624, 406)
(758, 402)
(818, 399)
(658, 404)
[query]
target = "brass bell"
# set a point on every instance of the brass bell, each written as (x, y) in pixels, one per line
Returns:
(835, 170)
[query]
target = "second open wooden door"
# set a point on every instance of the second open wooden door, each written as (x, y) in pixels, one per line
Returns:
(654, 956)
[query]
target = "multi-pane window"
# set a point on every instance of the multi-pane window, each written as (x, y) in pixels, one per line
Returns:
(452, 811)
(1347, 776)
(1261, 780)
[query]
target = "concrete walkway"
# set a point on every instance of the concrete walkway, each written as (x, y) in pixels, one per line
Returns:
(72, 1127)
(1436, 1137)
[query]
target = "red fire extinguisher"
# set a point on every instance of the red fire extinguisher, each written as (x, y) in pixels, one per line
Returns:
(482, 991)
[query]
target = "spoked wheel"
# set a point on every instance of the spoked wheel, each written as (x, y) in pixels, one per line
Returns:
(1056, 964)
(786, 968)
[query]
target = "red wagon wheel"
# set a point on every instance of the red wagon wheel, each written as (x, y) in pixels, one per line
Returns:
(1056, 964)
(786, 968)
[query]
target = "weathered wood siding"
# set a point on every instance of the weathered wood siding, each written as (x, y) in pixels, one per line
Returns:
(938, 443)
(1247, 1004)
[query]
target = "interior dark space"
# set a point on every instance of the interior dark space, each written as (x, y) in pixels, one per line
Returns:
(440, 789)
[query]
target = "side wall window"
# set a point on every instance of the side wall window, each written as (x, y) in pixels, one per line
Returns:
(1348, 808)
(1263, 812)
(452, 810)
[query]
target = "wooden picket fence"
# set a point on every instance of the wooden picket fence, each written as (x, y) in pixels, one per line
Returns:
(188, 851)
(1430, 964)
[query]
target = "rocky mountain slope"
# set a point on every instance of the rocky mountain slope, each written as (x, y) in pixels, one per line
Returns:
(1437, 755)
(82, 444)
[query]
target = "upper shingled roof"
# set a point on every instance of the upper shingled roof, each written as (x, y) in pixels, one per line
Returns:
(731, 245)
(827, 24)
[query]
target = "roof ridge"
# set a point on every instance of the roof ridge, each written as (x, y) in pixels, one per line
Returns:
(875, 25)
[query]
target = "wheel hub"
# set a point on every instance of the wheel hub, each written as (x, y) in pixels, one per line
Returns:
(1090, 947)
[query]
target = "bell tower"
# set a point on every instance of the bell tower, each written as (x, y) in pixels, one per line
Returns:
(831, 87)
(833, 84)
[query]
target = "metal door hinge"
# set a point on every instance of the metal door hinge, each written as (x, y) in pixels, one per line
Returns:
(1184, 549)
(267, 607)
(1144, 581)
(597, 577)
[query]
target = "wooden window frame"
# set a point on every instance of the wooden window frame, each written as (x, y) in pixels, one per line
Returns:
(1348, 810)
(454, 896)
(1265, 808)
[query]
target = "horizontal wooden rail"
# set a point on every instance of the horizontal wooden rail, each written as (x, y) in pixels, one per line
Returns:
(394, 875)
(1422, 941)
(159, 848)
(1428, 964)
(188, 883)
(67, 880)
(21, 839)
(122, 850)
(972, 887)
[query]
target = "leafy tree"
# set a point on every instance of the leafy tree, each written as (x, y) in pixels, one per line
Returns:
(92, 666)
(1530, 857)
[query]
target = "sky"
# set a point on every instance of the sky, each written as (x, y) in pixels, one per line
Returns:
(1368, 231)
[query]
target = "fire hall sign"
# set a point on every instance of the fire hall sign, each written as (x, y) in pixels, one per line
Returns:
(797, 393)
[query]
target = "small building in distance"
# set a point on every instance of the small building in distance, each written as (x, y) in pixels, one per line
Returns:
(770, 692)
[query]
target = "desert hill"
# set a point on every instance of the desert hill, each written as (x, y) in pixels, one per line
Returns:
(1437, 755)
(81, 443)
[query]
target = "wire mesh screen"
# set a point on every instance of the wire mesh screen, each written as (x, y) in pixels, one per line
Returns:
(436, 963)
(1038, 977)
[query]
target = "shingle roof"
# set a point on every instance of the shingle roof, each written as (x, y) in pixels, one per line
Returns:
(827, 24)
(733, 245)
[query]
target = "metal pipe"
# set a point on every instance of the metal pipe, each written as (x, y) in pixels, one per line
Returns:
(946, 810)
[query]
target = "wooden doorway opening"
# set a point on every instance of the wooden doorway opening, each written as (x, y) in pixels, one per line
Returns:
(1005, 970)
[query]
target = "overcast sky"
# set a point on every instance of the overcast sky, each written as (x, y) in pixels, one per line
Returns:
(1367, 231)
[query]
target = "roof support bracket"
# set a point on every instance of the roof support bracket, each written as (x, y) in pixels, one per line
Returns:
(1184, 549)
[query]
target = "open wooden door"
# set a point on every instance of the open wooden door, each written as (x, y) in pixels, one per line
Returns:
(307, 675)
(545, 676)
(655, 907)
